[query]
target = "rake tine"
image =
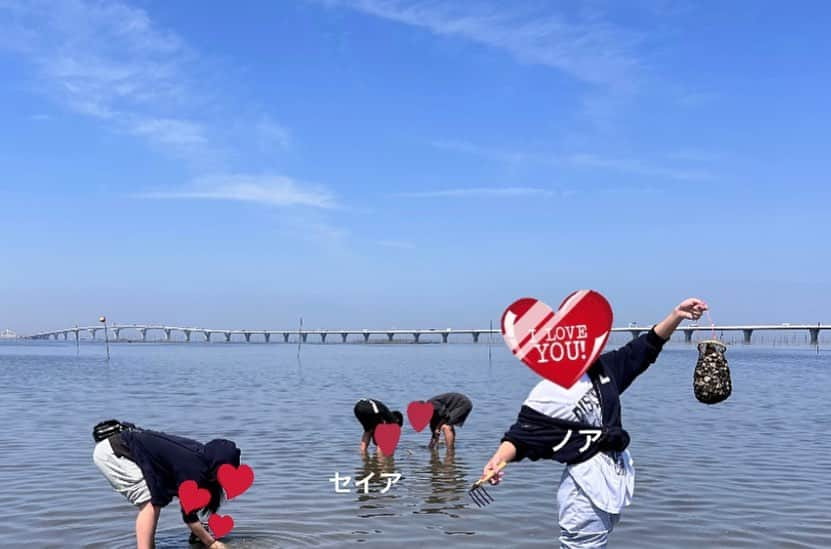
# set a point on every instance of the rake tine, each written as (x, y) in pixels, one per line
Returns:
(477, 492)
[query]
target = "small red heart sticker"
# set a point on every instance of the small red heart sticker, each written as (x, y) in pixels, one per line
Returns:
(192, 497)
(387, 436)
(419, 413)
(235, 481)
(558, 346)
(220, 524)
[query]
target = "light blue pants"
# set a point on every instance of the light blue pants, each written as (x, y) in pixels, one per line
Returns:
(582, 525)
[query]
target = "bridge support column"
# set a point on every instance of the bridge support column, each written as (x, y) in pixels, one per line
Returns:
(167, 334)
(416, 336)
(304, 336)
(688, 336)
(207, 336)
(187, 335)
(476, 337)
(227, 336)
(366, 338)
(323, 337)
(344, 336)
(117, 332)
(267, 337)
(814, 335)
(389, 336)
(635, 333)
(92, 333)
(747, 334)
(444, 337)
(247, 336)
(286, 338)
(143, 332)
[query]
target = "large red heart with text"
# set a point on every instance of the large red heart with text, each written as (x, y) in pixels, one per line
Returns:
(419, 413)
(387, 436)
(192, 497)
(235, 481)
(558, 346)
(220, 524)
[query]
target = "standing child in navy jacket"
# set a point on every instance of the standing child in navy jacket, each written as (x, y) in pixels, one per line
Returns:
(581, 426)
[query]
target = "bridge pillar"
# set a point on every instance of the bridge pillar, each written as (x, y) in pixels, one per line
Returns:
(814, 335)
(444, 337)
(267, 337)
(247, 336)
(286, 337)
(92, 333)
(227, 336)
(366, 338)
(167, 334)
(390, 336)
(323, 337)
(688, 336)
(143, 332)
(187, 335)
(207, 336)
(476, 337)
(416, 336)
(747, 334)
(117, 332)
(304, 336)
(635, 333)
(344, 336)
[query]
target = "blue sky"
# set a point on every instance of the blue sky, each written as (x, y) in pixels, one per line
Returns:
(398, 163)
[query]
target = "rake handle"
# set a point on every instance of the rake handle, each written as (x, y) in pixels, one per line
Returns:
(490, 475)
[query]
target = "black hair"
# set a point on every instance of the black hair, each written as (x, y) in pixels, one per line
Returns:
(399, 418)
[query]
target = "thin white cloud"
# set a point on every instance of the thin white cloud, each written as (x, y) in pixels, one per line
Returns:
(178, 133)
(271, 134)
(638, 167)
(479, 192)
(399, 244)
(486, 152)
(113, 63)
(585, 46)
(268, 189)
(580, 160)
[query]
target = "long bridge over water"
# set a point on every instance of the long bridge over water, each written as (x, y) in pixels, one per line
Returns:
(265, 336)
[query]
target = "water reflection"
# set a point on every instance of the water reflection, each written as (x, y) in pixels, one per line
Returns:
(381, 471)
(447, 483)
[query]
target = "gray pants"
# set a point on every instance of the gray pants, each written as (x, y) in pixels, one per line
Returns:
(582, 524)
(125, 476)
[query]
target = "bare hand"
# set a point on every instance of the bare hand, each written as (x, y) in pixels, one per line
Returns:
(217, 545)
(493, 465)
(691, 308)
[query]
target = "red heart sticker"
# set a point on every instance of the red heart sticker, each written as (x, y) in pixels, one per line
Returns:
(386, 437)
(220, 524)
(419, 413)
(235, 481)
(192, 497)
(558, 346)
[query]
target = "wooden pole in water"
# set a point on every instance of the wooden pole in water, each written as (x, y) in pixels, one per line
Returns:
(103, 320)
(77, 342)
(299, 337)
(490, 341)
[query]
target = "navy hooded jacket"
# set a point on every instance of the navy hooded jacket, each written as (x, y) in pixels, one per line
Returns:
(168, 460)
(538, 436)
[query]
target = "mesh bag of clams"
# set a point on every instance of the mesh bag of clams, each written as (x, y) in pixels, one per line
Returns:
(711, 380)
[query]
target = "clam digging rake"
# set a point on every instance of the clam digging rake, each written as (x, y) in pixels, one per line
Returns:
(477, 492)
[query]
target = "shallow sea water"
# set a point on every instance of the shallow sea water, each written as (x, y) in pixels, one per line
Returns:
(750, 472)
